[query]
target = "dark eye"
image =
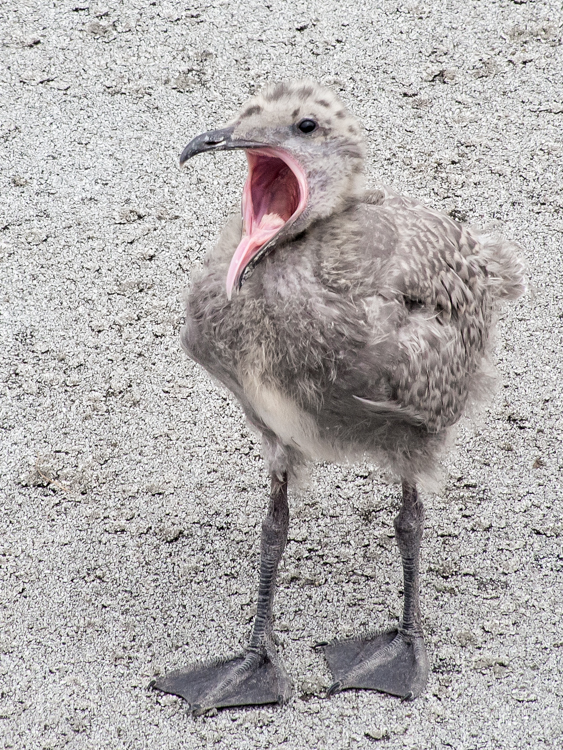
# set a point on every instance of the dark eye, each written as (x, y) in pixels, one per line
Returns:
(307, 125)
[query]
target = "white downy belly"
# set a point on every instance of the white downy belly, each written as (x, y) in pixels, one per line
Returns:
(291, 424)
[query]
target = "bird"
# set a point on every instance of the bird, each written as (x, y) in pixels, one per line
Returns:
(348, 323)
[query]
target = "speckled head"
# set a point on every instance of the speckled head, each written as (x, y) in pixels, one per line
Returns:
(305, 155)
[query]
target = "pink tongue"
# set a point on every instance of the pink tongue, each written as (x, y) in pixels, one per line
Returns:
(249, 246)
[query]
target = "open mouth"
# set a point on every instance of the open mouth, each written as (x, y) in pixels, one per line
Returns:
(274, 195)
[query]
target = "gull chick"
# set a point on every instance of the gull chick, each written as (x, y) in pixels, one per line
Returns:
(348, 323)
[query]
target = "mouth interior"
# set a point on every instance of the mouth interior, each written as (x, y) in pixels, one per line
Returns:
(275, 194)
(272, 191)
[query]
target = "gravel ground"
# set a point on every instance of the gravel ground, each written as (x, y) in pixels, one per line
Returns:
(132, 489)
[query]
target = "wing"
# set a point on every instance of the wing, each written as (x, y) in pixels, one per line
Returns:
(435, 271)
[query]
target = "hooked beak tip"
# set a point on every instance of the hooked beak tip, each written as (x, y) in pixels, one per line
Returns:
(210, 141)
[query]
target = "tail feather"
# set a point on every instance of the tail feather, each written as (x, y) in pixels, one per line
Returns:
(505, 266)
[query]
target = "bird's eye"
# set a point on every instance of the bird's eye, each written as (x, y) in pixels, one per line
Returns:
(307, 125)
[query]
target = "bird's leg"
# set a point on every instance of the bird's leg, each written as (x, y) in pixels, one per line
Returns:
(393, 662)
(274, 539)
(257, 676)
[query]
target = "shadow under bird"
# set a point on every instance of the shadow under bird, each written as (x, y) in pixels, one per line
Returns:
(348, 323)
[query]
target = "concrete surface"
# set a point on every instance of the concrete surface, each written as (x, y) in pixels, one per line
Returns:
(132, 490)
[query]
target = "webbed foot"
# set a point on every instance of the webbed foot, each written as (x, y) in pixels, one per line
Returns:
(394, 662)
(251, 679)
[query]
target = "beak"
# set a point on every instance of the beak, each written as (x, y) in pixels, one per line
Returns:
(215, 140)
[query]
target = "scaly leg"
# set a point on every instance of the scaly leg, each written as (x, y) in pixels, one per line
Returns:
(257, 676)
(394, 662)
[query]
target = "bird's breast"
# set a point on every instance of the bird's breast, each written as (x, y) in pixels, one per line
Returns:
(291, 424)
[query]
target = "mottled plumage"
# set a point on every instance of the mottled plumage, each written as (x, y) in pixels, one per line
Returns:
(363, 321)
(373, 325)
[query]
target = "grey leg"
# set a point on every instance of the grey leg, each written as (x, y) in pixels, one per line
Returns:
(393, 662)
(274, 539)
(409, 525)
(257, 676)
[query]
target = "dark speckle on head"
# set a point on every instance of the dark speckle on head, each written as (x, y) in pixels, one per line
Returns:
(352, 129)
(340, 114)
(305, 92)
(255, 110)
(352, 151)
(295, 112)
(323, 103)
(278, 92)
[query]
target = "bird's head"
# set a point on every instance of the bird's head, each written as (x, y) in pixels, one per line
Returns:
(305, 155)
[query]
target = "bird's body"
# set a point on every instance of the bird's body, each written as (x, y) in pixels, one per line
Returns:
(366, 335)
(347, 323)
